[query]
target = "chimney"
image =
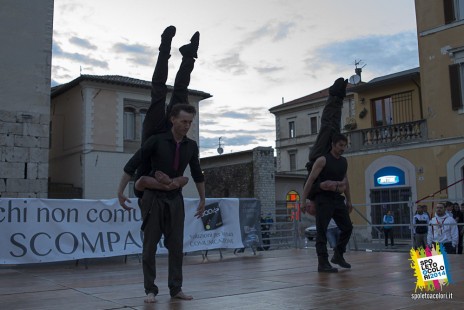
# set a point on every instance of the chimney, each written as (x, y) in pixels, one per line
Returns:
(358, 71)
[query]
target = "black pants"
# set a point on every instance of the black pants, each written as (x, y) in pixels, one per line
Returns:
(166, 218)
(330, 124)
(157, 117)
(388, 232)
(328, 207)
(460, 241)
(449, 248)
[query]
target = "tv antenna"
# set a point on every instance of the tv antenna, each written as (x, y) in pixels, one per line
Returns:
(356, 78)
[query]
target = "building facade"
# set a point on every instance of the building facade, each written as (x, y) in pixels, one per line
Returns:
(25, 57)
(405, 130)
(440, 25)
(96, 126)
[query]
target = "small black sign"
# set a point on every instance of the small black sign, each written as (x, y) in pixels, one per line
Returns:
(212, 218)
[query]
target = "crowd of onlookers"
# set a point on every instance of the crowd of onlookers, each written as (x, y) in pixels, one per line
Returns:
(442, 227)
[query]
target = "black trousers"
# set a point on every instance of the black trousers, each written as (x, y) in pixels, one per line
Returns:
(449, 248)
(328, 207)
(388, 232)
(166, 218)
(330, 124)
(157, 116)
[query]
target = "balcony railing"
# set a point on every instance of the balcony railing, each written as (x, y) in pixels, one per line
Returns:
(386, 136)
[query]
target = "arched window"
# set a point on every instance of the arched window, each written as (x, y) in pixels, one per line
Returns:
(129, 124)
(293, 205)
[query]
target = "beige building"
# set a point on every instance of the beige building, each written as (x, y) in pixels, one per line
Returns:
(95, 128)
(405, 130)
(25, 62)
(440, 28)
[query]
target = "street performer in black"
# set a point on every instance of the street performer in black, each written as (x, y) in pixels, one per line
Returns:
(331, 204)
(165, 153)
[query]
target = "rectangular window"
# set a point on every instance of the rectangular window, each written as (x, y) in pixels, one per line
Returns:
(313, 122)
(456, 74)
(291, 129)
(292, 162)
(454, 10)
(129, 124)
(382, 112)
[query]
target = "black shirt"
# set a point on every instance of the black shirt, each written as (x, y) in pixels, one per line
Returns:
(160, 150)
(334, 169)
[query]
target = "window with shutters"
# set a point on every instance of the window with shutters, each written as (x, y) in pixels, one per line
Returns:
(291, 129)
(454, 10)
(456, 75)
(313, 126)
(129, 124)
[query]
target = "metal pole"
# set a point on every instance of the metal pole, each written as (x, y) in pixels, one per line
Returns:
(411, 226)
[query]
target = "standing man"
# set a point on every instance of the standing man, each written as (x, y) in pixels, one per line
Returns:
(329, 204)
(166, 152)
(420, 237)
(163, 211)
(443, 229)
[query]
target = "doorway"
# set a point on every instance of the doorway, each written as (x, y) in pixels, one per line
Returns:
(400, 212)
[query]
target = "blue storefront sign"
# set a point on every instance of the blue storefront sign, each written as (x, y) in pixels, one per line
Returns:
(389, 176)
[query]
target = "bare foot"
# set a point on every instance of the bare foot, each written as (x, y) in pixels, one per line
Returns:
(312, 208)
(182, 296)
(141, 183)
(150, 299)
(180, 181)
(334, 186)
(162, 178)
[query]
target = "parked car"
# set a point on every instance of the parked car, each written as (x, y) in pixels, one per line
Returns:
(310, 232)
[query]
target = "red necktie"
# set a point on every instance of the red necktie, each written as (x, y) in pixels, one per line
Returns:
(176, 157)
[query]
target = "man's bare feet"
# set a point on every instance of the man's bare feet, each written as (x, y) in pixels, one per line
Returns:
(334, 186)
(150, 299)
(311, 208)
(182, 296)
(141, 183)
(180, 181)
(162, 178)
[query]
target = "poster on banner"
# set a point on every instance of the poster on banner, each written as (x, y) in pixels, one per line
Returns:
(219, 226)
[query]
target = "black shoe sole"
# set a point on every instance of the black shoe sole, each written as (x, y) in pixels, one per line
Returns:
(333, 270)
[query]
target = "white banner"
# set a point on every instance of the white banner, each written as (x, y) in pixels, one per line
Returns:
(46, 230)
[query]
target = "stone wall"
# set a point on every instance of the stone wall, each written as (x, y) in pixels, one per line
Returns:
(234, 181)
(25, 59)
(23, 154)
(248, 174)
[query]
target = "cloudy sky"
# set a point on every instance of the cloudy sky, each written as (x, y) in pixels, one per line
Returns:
(252, 53)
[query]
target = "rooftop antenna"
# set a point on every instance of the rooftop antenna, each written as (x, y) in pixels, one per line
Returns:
(220, 150)
(355, 79)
